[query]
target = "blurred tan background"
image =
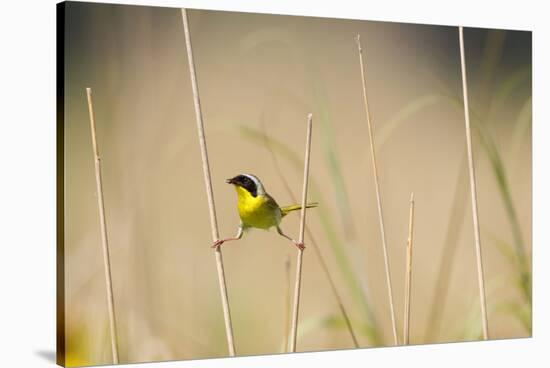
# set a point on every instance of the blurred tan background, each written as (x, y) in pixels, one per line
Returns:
(262, 74)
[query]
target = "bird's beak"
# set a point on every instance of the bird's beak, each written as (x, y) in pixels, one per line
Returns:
(229, 181)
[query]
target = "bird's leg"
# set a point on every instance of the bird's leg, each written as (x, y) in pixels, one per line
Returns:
(239, 235)
(299, 245)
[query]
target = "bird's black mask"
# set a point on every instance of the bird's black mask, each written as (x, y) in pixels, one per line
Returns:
(245, 182)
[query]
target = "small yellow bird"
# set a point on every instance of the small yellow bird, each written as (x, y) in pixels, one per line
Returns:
(258, 209)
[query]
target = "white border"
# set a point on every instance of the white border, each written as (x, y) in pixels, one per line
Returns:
(27, 183)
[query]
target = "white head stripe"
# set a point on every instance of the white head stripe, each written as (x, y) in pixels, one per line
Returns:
(259, 186)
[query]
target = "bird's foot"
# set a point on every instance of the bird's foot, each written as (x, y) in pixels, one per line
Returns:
(300, 245)
(217, 243)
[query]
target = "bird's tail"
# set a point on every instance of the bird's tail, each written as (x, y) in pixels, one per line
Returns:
(295, 207)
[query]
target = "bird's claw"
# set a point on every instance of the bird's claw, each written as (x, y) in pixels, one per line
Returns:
(217, 243)
(299, 245)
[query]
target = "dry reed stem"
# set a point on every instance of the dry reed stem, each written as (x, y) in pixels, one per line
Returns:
(294, 327)
(208, 186)
(378, 197)
(408, 274)
(473, 190)
(104, 239)
(314, 244)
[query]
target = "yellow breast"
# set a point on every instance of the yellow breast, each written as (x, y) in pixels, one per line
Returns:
(255, 211)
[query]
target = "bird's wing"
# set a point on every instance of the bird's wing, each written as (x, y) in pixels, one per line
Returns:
(270, 202)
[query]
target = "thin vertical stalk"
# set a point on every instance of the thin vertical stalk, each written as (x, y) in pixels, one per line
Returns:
(408, 274)
(294, 328)
(208, 186)
(473, 190)
(314, 244)
(378, 197)
(103, 225)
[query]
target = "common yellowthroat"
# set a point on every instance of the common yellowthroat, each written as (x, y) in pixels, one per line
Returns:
(257, 209)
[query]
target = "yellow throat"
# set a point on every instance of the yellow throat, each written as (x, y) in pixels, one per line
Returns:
(256, 211)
